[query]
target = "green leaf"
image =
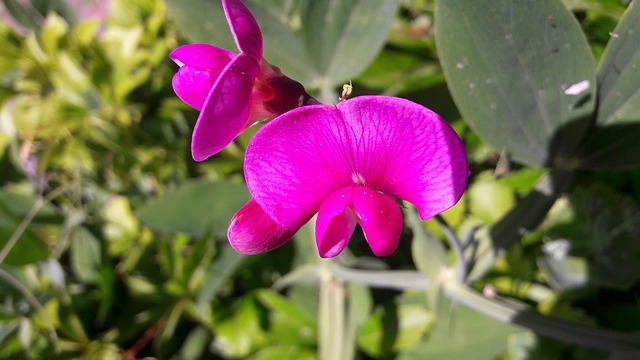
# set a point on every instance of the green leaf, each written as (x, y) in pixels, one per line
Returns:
(514, 69)
(220, 271)
(288, 324)
(240, 334)
(279, 352)
(343, 37)
(29, 246)
(285, 307)
(461, 333)
(609, 238)
(195, 207)
(392, 329)
(489, 199)
(86, 256)
(613, 142)
(202, 21)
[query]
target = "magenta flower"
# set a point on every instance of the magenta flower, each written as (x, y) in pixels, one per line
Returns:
(348, 163)
(232, 91)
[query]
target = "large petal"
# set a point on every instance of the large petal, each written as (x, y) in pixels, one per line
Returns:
(295, 162)
(251, 231)
(335, 223)
(388, 144)
(226, 110)
(406, 150)
(202, 56)
(380, 219)
(244, 28)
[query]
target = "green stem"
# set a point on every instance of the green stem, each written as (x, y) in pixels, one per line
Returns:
(31, 299)
(22, 227)
(456, 245)
(502, 310)
(520, 314)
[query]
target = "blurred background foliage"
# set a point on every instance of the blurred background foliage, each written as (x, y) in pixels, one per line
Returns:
(113, 241)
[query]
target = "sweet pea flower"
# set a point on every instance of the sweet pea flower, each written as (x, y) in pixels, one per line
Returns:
(348, 163)
(232, 91)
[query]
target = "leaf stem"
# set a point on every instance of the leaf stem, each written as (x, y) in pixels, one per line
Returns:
(22, 227)
(457, 247)
(31, 299)
(501, 309)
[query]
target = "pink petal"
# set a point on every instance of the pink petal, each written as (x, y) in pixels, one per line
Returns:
(251, 231)
(295, 162)
(244, 28)
(408, 151)
(193, 85)
(200, 65)
(335, 223)
(202, 56)
(388, 144)
(226, 110)
(380, 218)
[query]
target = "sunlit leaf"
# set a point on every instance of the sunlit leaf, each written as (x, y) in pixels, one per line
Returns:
(86, 256)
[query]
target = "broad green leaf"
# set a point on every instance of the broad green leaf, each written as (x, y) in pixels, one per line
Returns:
(613, 142)
(86, 256)
(202, 21)
(195, 207)
(521, 73)
(461, 333)
(318, 43)
(342, 37)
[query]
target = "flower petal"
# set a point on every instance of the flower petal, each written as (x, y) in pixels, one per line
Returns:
(226, 110)
(251, 231)
(388, 144)
(202, 56)
(380, 219)
(193, 85)
(335, 223)
(244, 28)
(295, 162)
(406, 150)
